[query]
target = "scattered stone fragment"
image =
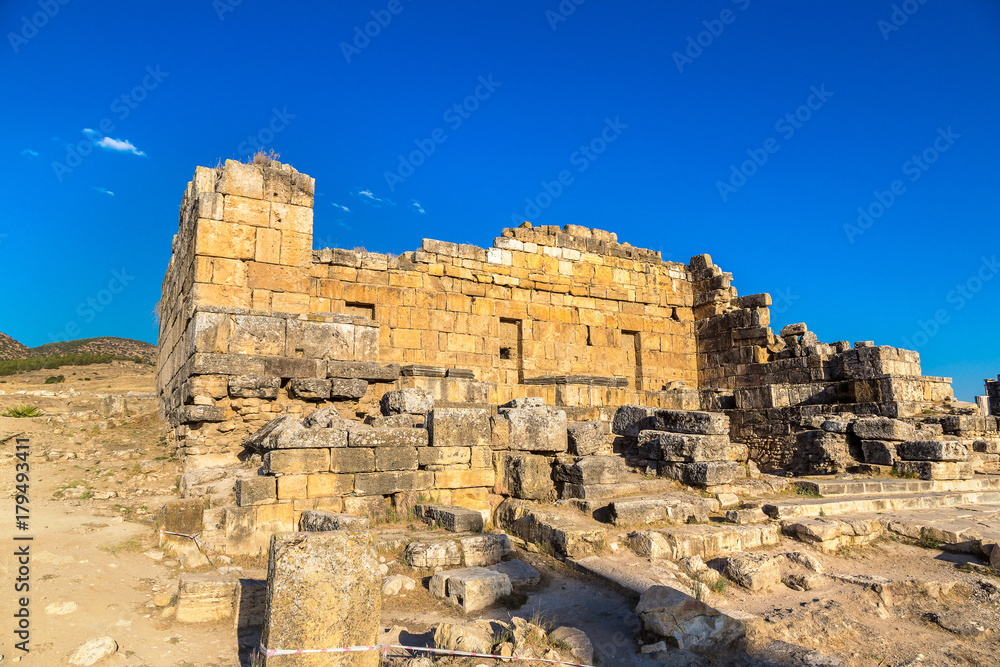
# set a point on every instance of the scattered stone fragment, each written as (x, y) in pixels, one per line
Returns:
(450, 517)
(691, 623)
(471, 588)
(205, 598)
(579, 644)
(483, 550)
(396, 583)
(94, 651)
(63, 608)
(462, 638)
(754, 571)
(438, 553)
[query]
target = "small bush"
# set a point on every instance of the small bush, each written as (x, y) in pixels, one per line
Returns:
(22, 411)
(928, 542)
(719, 585)
(55, 379)
(807, 492)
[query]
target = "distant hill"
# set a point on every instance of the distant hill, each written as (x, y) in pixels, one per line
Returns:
(11, 349)
(105, 345)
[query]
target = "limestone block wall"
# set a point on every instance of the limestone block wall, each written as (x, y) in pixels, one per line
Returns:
(256, 323)
(780, 382)
(541, 302)
(993, 392)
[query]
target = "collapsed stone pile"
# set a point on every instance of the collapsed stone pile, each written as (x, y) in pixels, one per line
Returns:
(935, 447)
(688, 446)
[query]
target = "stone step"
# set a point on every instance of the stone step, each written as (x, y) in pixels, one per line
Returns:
(787, 509)
(672, 508)
(705, 540)
(593, 499)
(828, 487)
(558, 530)
(970, 529)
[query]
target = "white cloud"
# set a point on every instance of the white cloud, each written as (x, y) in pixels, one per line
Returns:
(342, 208)
(119, 145)
(369, 197)
(343, 224)
(415, 204)
(27, 152)
(105, 192)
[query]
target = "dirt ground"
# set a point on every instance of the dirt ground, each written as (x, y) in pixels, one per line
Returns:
(95, 568)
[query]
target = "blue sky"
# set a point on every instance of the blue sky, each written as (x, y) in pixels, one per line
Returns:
(752, 131)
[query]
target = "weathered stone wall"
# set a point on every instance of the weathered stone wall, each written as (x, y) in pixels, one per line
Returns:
(782, 383)
(255, 323)
(993, 392)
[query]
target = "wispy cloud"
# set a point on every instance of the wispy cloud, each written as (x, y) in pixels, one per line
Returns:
(369, 197)
(27, 152)
(415, 204)
(343, 224)
(342, 208)
(105, 192)
(119, 145)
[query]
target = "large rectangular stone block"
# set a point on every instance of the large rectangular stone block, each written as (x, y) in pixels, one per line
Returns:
(471, 588)
(309, 389)
(323, 591)
(443, 456)
(525, 476)
(370, 371)
(386, 483)
(592, 470)
(254, 386)
(587, 438)
(296, 461)
(205, 598)
(461, 479)
(352, 459)
(459, 427)
(297, 436)
(630, 420)
(388, 437)
(324, 485)
(691, 448)
(396, 458)
(260, 490)
(536, 429)
(936, 469)
(883, 428)
(879, 452)
(290, 367)
(320, 340)
(933, 450)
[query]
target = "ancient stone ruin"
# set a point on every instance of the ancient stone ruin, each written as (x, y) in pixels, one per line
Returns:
(557, 385)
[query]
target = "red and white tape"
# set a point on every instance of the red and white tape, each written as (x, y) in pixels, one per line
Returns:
(384, 648)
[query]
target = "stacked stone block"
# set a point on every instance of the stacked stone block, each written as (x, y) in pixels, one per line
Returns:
(689, 446)
(325, 462)
(993, 396)
(527, 438)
